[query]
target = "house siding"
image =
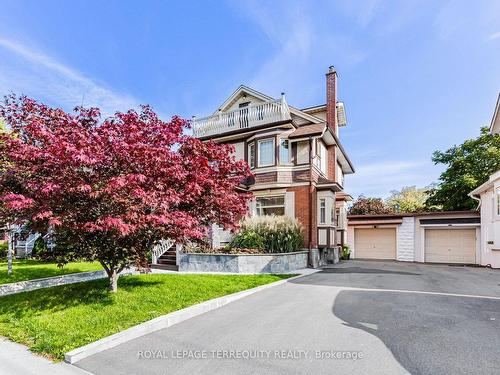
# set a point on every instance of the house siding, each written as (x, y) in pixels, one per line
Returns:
(490, 231)
(406, 240)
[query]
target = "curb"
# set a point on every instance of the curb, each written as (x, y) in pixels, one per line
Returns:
(49, 282)
(165, 321)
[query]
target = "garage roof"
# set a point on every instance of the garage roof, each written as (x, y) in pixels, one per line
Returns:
(410, 214)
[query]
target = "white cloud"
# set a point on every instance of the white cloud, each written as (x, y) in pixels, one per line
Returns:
(494, 36)
(30, 72)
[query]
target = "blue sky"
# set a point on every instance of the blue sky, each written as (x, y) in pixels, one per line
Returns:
(415, 76)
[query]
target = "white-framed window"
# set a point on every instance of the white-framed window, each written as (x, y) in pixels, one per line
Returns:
(321, 158)
(322, 211)
(497, 194)
(340, 175)
(266, 152)
(285, 151)
(270, 205)
(251, 155)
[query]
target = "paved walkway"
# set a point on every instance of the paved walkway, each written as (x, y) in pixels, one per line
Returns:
(323, 323)
(16, 359)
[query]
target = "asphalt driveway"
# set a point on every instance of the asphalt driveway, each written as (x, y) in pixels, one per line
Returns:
(359, 317)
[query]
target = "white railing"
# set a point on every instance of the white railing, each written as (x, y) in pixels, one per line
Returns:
(247, 117)
(30, 243)
(160, 248)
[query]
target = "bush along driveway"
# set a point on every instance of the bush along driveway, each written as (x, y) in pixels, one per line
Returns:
(56, 320)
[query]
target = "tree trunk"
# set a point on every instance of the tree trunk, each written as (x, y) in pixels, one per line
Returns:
(113, 281)
(10, 244)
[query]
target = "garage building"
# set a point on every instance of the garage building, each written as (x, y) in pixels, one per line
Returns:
(431, 237)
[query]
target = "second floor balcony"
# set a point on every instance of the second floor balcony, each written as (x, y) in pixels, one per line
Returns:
(250, 116)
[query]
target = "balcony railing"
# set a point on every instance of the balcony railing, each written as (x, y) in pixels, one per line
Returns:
(242, 118)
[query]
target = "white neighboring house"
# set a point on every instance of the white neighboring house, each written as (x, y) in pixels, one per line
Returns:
(489, 196)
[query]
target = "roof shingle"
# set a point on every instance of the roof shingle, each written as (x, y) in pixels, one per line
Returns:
(308, 130)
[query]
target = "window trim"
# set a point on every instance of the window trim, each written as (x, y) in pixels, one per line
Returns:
(272, 205)
(273, 140)
(250, 157)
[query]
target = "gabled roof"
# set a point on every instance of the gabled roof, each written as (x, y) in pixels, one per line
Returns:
(495, 121)
(242, 89)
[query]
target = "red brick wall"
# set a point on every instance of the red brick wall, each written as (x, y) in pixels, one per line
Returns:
(331, 98)
(332, 163)
(302, 212)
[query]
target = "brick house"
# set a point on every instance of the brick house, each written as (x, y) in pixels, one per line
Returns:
(295, 155)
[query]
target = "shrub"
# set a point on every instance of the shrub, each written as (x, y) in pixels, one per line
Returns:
(346, 252)
(226, 250)
(247, 239)
(280, 234)
(3, 249)
(40, 249)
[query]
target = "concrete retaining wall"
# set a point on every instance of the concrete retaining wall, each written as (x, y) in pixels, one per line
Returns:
(244, 263)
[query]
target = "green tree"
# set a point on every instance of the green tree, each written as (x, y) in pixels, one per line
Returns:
(468, 166)
(408, 199)
(369, 206)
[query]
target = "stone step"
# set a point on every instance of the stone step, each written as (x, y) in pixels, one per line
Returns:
(166, 261)
(168, 256)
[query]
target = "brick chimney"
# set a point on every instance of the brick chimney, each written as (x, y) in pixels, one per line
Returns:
(331, 98)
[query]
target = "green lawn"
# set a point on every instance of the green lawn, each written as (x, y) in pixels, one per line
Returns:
(56, 320)
(34, 269)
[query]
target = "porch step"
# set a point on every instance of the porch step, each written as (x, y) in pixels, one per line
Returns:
(168, 256)
(163, 261)
(169, 267)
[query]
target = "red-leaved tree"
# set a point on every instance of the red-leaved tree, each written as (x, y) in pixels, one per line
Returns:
(110, 190)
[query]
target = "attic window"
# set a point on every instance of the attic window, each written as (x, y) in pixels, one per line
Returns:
(243, 105)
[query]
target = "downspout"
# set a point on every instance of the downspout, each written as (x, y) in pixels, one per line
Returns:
(476, 199)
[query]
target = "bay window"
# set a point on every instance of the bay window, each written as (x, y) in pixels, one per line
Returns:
(284, 151)
(321, 156)
(322, 211)
(251, 155)
(266, 152)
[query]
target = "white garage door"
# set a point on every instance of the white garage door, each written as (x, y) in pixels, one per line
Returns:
(450, 246)
(375, 243)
